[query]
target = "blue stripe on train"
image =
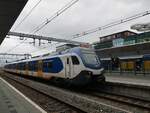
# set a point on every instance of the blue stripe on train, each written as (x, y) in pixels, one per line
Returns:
(52, 65)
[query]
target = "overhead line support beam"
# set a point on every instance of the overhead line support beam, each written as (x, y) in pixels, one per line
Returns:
(43, 38)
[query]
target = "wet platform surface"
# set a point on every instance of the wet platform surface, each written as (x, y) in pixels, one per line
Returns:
(129, 78)
(12, 101)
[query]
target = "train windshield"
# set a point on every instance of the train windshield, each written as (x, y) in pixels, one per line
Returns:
(90, 59)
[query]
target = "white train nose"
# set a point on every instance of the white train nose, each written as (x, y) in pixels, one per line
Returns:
(98, 72)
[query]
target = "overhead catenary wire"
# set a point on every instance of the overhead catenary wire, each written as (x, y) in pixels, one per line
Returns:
(68, 5)
(29, 13)
(54, 44)
(107, 26)
(55, 15)
(136, 16)
(121, 21)
(111, 24)
(9, 50)
(41, 49)
(35, 6)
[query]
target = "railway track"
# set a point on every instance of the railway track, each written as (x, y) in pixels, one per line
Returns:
(49, 104)
(133, 97)
(143, 104)
(94, 100)
(133, 105)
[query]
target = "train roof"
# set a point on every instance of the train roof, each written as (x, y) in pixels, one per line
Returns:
(37, 58)
(57, 54)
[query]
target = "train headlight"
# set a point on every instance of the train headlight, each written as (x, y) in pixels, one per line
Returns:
(90, 73)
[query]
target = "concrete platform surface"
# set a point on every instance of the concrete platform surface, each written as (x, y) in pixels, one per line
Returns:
(12, 101)
(128, 78)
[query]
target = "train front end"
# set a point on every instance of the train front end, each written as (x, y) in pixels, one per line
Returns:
(91, 69)
(92, 64)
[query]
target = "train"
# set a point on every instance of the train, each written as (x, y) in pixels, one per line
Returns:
(136, 63)
(78, 66)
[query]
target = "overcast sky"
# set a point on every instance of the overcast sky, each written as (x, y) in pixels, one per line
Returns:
(82, 16)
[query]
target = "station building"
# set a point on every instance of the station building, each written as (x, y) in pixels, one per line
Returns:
(126, 47)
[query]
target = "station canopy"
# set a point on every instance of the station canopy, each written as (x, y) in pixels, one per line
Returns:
(9, 12)
(130, 50)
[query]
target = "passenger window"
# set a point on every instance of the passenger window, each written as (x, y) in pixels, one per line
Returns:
(44, 65)
(35, 66)
(75, 60)
(30, 66)
(40, 65)
(47, 64)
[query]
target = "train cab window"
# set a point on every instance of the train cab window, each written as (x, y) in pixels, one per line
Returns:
(75, 60)
(50, 65)
(47, 65)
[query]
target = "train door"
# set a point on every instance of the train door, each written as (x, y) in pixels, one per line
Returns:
(31, 68)
(16, 68)
(26, 68)
(68, 67)
(72, 66)
(40, 72)
(75, 66)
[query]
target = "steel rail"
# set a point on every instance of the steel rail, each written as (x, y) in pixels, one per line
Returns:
(79, 100)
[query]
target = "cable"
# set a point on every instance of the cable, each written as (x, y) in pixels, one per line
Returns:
(48, 21)
(111, 24)
(22, 22)
(16, 46)
(63, 9)
(45, 47)
(27, 15)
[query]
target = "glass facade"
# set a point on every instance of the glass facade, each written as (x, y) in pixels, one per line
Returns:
(132, 39)
(118, 42)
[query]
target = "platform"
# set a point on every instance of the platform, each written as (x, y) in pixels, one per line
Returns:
(128, 78)
(12, 101)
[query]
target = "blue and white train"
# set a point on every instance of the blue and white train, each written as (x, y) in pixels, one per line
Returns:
(77, 65)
